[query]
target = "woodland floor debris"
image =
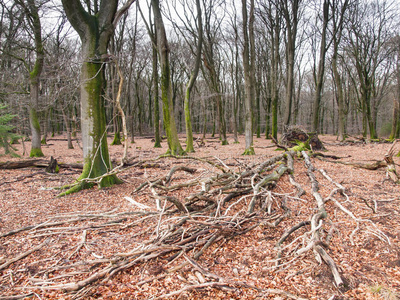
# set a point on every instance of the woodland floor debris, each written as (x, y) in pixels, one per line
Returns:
(275, 225)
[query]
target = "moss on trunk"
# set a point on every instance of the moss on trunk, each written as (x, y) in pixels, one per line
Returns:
(36, 150)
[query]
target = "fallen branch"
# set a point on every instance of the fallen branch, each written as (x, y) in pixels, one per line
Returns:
(23, 255)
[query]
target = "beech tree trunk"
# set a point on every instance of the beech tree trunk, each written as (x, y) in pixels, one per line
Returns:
(95, 28)
(319, 77)
(157, 134)
(31, 12)
(291, 11)
(174, 146)
(249, 73)
(192, 80)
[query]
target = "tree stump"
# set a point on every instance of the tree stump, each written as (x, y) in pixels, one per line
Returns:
(53, 166)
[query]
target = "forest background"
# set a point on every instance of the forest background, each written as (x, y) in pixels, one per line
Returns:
(329, 66)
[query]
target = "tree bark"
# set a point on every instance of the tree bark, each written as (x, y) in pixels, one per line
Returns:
(32, 16)
(157, 134)
(319, 78)
(95, 31)
(291, 15)
(174, 146)
(192, 80)
(249, 76)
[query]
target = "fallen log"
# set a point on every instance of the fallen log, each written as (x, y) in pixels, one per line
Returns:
(37, 163)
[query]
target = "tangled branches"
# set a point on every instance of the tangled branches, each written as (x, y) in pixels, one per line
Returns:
(218, 204)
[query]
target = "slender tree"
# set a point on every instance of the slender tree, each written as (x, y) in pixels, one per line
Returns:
(339, 8)
(174, 146)
(369, 32)
(249, 73)
(272, 19)
(319, 75)
(212, 27)
(31, 11)
(192, 80)
(291, 11)
(395, 131)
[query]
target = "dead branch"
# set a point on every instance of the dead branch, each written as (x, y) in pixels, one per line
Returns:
(17, 297)
(23, 255)
(368, 166)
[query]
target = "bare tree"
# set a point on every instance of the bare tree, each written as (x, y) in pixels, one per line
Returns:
(339, 8)
(395, 131)
(31, 11)
(272, 19)
(212, 28)
(319, 75)
(291, 11)
(95, 26)
(174, 146)
(249, 73)
(367, 38)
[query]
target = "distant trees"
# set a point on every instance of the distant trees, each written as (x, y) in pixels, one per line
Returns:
(328, 65)
(367, 40)
(6, 135)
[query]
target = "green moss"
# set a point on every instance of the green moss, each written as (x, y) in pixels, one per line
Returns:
(224, 142)
(35, 119)
(36, 152)
(301, 146)
(249, 151)
(117, 139)
(189, 149)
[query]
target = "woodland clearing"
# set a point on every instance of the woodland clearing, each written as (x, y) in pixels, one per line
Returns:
(115, 243)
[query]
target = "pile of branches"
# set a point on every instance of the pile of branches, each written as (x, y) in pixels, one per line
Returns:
(219, 204)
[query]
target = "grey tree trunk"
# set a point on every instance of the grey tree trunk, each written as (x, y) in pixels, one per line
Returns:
(95, 28)
(31, 12)
(192, 81)
(249, 73)
(319, 77)
(291, 16)
(174, 146)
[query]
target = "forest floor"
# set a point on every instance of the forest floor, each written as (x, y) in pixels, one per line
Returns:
(96, 244)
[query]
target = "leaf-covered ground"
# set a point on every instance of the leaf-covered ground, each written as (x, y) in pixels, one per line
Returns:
(68, 240)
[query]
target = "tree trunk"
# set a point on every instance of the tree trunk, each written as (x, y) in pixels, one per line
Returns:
(157, 134)
(174, 146)
(95, 32)
(248, 66)
(32, 15)
(192, 80)
(319, 78)
(291, 15)
(70, 146)
(396, 101)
